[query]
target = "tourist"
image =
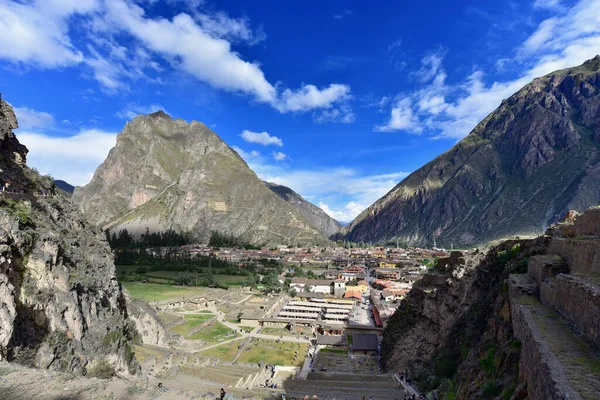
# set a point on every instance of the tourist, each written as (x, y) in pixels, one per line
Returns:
(222, 394)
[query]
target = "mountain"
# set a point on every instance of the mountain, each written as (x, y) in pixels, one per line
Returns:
(316, 217)
(168, 174)
(64, 186)
(522, 168)
(61, 307)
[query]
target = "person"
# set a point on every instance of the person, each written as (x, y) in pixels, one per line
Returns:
(222, 394)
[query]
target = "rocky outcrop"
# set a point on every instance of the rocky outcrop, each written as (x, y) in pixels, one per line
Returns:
(520, 170)
(168, 174)
(61, 306)
(519, 320)
(445, 316)
(148, 325)
(316, 217)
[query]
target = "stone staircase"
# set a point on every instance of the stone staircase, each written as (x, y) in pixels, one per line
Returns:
(330, 386)
(555, 311)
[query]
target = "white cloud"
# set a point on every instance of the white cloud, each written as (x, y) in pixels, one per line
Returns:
(29, 118)
(566, 39)
(309, 97)
(279, 156)
(402, 118)
(118, 42)
(133, 110)
(37, 32)
(261, 138)
(342, 14)
(342, 114)
(549, 4)
(220, 25)
(253, 156)
(73, 159)
(346, 214)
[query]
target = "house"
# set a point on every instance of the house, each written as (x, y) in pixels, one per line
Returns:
(330, 340)
(362, 287)
(365, 342)
(319, 286)
(351, 294)
(387, 295)
(387, 273)
(388, 263)
(339, 287)
(298, 283)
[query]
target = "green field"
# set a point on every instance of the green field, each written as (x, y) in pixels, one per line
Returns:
(224, 353)
(152, 292)
(214, 333)
(271, 352)
(171, 277)
(191, 321)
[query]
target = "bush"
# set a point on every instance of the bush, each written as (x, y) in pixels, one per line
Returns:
(102, 370)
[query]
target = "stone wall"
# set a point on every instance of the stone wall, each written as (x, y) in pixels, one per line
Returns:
(541, 369)
(576, 299)
(582, 256)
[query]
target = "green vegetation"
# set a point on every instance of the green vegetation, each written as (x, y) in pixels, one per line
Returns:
(102, 370)
(214, 333)
(334, 351)
(18, 209)
(218, 240)
(225, 353)
(274, 353)
(191, 321)
(125, 240)
(152, 292)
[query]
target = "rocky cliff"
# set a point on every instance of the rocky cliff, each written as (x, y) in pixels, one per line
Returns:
(168, 174)
(517, 320)
(521, 169)
(61, 306)
(316, 217)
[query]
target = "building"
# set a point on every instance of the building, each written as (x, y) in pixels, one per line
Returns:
(298, 283)
(339, 287)
(387, 273)
(364, 342)
(319, 286)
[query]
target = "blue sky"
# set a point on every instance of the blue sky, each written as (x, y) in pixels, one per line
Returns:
(339, 100)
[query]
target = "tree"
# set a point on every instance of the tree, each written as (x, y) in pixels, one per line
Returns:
(293, 292)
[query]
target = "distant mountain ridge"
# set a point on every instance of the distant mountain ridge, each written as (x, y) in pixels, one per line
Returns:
(521, 169)
(168, 174)
(313, 214)
(64, 186)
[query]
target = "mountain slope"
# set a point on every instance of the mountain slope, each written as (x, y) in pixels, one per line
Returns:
(316, 217)
(532, 159)
(64, 186)
(168, 174)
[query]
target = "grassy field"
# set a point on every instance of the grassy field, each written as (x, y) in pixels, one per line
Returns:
(191, 321)
(214, 333)
(271, 352)
(277, 331)
(170, 277)
(224, 353)
(151, 292)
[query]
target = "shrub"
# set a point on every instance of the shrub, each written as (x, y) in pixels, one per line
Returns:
(102, 370)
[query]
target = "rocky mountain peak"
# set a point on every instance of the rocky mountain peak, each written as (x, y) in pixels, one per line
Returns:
(521, 169)
(170, 174)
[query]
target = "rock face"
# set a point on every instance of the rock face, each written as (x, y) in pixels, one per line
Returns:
(61, 306)
(521, 169)
(313, 214)
(520, 319)
(168, 174)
